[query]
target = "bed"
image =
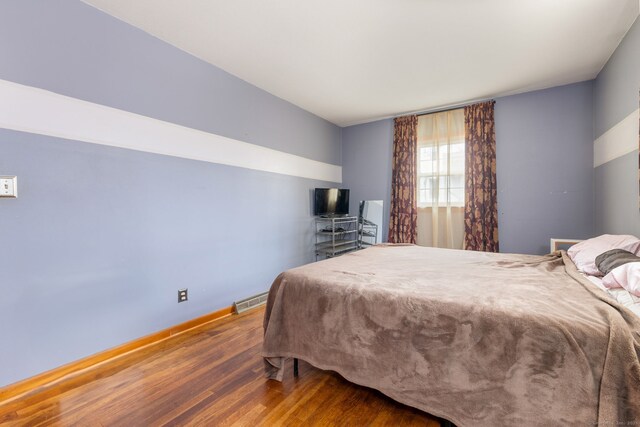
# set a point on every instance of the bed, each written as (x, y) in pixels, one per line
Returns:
(479, 339)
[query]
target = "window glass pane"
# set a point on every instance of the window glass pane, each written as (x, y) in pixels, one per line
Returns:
(423, 197)
(457, 196)
(423, 182)
(457, 181)
(425, 156)
(425, 167)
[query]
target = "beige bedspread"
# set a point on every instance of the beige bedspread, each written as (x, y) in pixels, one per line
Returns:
(480, 339)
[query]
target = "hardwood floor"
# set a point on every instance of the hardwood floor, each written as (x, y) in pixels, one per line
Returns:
(209, 376)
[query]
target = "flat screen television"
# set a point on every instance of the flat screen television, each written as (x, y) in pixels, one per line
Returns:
(331, 202)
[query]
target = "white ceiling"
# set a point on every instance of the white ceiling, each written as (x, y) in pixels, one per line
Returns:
(353, 61)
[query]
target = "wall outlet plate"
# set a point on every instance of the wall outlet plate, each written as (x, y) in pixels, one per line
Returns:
(183, 295)
(9, 186)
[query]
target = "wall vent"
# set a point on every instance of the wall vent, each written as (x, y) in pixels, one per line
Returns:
(251, 302)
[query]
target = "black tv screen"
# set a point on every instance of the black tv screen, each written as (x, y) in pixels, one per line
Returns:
(331, 201)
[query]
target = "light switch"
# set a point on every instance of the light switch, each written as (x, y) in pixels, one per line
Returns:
(8, 186)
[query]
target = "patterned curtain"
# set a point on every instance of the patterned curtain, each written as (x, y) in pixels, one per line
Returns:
(481, 201)
(404, 210)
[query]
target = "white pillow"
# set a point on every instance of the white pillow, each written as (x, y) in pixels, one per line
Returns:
(584, 254)
(626, 276)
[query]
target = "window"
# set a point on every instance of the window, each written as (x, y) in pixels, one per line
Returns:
(442, 169)
(441, 159)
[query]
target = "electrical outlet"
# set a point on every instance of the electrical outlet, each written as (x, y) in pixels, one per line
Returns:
(183, 295)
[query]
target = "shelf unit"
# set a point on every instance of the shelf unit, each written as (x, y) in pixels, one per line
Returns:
(336, 236)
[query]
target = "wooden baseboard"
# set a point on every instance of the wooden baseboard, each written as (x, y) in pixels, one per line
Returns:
(58, 374)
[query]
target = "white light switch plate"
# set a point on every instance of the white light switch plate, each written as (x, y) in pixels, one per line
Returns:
(8, 186)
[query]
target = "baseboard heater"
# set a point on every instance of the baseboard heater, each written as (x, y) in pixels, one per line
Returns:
(251, 302)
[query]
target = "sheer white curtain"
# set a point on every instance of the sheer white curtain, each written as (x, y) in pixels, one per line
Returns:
(440, 183)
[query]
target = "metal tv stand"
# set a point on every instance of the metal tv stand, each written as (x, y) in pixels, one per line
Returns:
(335, 236)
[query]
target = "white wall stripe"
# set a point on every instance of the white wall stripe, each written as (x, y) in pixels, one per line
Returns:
(29, 109)
(618, 141)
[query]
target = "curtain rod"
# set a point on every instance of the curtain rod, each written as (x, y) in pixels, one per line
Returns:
(423, 112)
(441, 110)
(450, 107)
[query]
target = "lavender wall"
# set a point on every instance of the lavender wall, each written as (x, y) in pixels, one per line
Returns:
(101, 238)
(615, 97)
(544, 166)
(368, 152)
(73, 49)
